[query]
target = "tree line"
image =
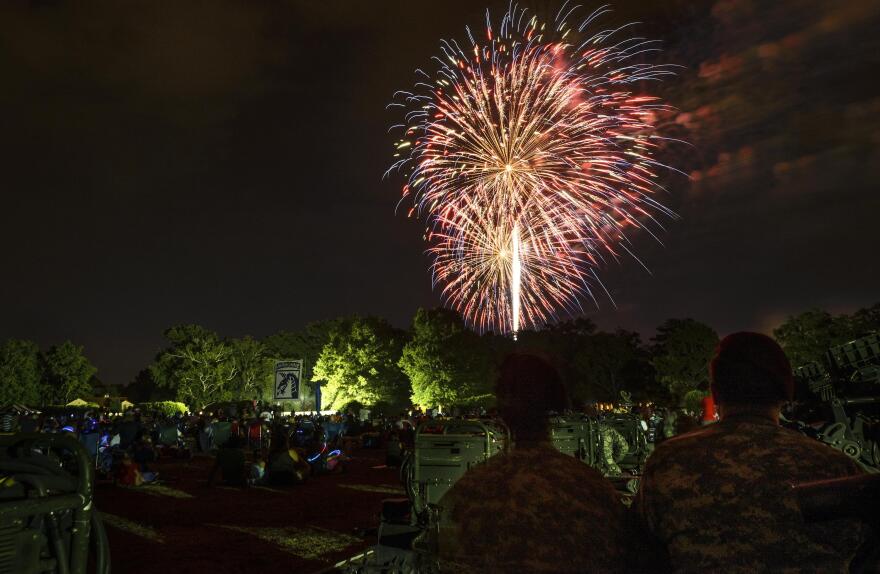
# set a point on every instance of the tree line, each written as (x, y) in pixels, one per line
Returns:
(31, 377)
(437, 361)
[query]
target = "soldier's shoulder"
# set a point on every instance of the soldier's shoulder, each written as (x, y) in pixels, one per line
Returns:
(537, 467)
(807, 449)
(498, 512)
(690, 440)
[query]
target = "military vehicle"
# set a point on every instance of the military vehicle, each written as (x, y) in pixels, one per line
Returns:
(838, 400)
(48, 521)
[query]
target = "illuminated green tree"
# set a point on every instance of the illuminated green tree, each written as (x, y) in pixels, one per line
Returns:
(447, 363)
(21, 373)
(67, 373)
(253, 364)
(359, 362)
(198, 366)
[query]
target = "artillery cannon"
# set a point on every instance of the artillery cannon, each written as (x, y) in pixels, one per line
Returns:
(47, 515)
(838, 400)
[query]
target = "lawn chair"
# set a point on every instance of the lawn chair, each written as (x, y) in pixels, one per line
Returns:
(255, 435)
(169, 436)
(169, 442)
(222, 432)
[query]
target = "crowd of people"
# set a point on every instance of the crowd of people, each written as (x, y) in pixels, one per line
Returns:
(252, 445)
(713, 497)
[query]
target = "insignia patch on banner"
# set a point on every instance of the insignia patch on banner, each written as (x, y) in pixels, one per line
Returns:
(287, 377)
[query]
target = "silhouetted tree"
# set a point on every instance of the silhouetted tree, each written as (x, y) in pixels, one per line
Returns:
(681, 354)
(305, 344)
(21, 373)
(67, 373)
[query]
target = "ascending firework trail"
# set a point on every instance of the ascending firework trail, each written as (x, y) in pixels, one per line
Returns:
(530, 152)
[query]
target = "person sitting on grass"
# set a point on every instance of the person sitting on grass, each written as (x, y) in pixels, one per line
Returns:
(286, 465)
(143, 453)
(258, 468)
(129, 473)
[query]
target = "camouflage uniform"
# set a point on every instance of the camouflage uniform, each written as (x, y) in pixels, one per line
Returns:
(614, 448)
(719, 499)
(669, 421)
(533, 509)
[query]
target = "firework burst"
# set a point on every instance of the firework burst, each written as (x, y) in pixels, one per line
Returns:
(530, 153)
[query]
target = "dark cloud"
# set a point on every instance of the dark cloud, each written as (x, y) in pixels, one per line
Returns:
(780, 106)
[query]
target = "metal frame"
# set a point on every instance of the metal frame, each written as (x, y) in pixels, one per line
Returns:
(80, 503)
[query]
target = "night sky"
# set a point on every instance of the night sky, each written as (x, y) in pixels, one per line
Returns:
(220, 163)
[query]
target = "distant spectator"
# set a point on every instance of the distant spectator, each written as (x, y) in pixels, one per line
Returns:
(128, 430)
(231, 462)
(143, 453)
(286, 465)
(128, 473)
(258, 468)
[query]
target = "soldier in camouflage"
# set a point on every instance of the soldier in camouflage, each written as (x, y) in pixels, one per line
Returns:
(670, 419)
(614, 448)
(532, 509)
(719, 498)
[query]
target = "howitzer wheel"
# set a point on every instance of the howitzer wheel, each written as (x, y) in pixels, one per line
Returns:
(834, 435)
(874, 450)
(851, 449)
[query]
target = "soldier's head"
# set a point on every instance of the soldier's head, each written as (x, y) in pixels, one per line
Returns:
(528, 387)
(750, 370)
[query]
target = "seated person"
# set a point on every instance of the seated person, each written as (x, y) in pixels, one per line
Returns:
(719, 498)
(231, 463)
(128, 430)
(129, 473)
(531, 509)
(286, 465)
(258, 468)
(143, 452)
